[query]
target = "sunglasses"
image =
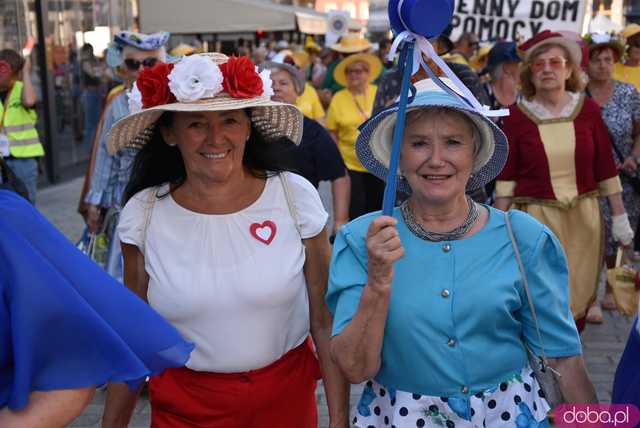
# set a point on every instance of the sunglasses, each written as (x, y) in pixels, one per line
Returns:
(556, 63)
(356, 70)
(134, 64)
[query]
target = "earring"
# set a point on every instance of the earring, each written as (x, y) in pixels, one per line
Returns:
(171, 145)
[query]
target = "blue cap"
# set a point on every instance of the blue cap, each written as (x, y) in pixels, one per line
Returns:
(502, 52)
(427, 18)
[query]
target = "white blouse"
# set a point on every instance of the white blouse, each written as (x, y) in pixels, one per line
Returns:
(233, 284)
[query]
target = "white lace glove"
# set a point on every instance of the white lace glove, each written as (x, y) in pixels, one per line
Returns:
(621, 229)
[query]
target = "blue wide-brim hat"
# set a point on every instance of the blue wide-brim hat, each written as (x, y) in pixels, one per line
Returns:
(374, 142)
(144, 42)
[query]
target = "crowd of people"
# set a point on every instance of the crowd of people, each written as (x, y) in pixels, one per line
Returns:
(204, 182)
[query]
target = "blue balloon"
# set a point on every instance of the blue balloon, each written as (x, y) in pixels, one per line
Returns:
(427, 18)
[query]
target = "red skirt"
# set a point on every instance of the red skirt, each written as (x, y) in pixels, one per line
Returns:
(281, 395)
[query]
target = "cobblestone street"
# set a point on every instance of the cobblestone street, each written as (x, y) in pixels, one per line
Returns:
(603, 344)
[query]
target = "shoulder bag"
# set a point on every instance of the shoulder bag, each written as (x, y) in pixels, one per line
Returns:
(634, 179)
(546, 375)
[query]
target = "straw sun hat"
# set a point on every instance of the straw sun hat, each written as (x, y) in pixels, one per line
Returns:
(373, 145)
(204, 82)
(351, 43)
(374, 63)
(631, 30)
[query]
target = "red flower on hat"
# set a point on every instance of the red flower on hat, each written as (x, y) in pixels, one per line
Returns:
(153, 84)
(241, 80)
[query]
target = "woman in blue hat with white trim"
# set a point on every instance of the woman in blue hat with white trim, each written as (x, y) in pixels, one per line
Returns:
(429, 303)
(129, 53)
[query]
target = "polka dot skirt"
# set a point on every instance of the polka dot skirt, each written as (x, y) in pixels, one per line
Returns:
(517, 402)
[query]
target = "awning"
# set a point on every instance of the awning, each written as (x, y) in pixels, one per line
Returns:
(311, 24)
(227, 16)
(213, 16)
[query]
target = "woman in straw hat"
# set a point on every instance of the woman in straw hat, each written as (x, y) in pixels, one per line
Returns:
(349, 108)
(349, 44)
(421, 296)
(210, 213)
(620, 103)
(561, 162)
(629, 71)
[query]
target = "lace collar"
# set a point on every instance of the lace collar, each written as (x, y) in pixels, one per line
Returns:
(540, 112)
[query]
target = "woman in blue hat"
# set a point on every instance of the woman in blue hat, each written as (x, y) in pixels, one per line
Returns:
(503, 66)
(129, 53)
(429, 303)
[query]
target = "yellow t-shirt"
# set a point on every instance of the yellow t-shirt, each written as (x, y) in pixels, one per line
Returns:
(344, 118)
(457, 58)
(627, 74)
(309, 103)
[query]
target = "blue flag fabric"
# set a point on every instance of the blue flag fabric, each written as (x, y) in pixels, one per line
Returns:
(64, 322)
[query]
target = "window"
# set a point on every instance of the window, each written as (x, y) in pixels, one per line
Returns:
(328, 7)
(364, 11)
(349, 7)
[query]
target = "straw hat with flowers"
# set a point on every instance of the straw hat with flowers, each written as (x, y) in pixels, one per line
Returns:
(204, 82)
(602, 41)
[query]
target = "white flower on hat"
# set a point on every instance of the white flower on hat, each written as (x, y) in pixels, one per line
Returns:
(265, 75)
(195, 77)
(134, 98)
(601, 38)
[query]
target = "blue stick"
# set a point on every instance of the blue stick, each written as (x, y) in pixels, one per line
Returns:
(406, 66)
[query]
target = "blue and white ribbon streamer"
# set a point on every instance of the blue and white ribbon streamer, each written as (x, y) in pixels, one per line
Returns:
(424, 47)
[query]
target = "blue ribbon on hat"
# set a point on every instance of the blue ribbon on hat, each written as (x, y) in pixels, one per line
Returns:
(414, 22)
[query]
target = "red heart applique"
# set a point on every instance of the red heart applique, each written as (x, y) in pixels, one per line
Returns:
(264, 232)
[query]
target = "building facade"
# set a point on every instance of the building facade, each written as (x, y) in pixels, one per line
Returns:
(60, 29)
(358, 9)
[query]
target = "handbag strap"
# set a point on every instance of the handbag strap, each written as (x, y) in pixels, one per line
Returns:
(525, 282)
(148, 211)
(617, 150)
(289, 197)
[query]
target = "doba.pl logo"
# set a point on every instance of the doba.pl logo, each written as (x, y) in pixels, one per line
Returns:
(597, 415)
